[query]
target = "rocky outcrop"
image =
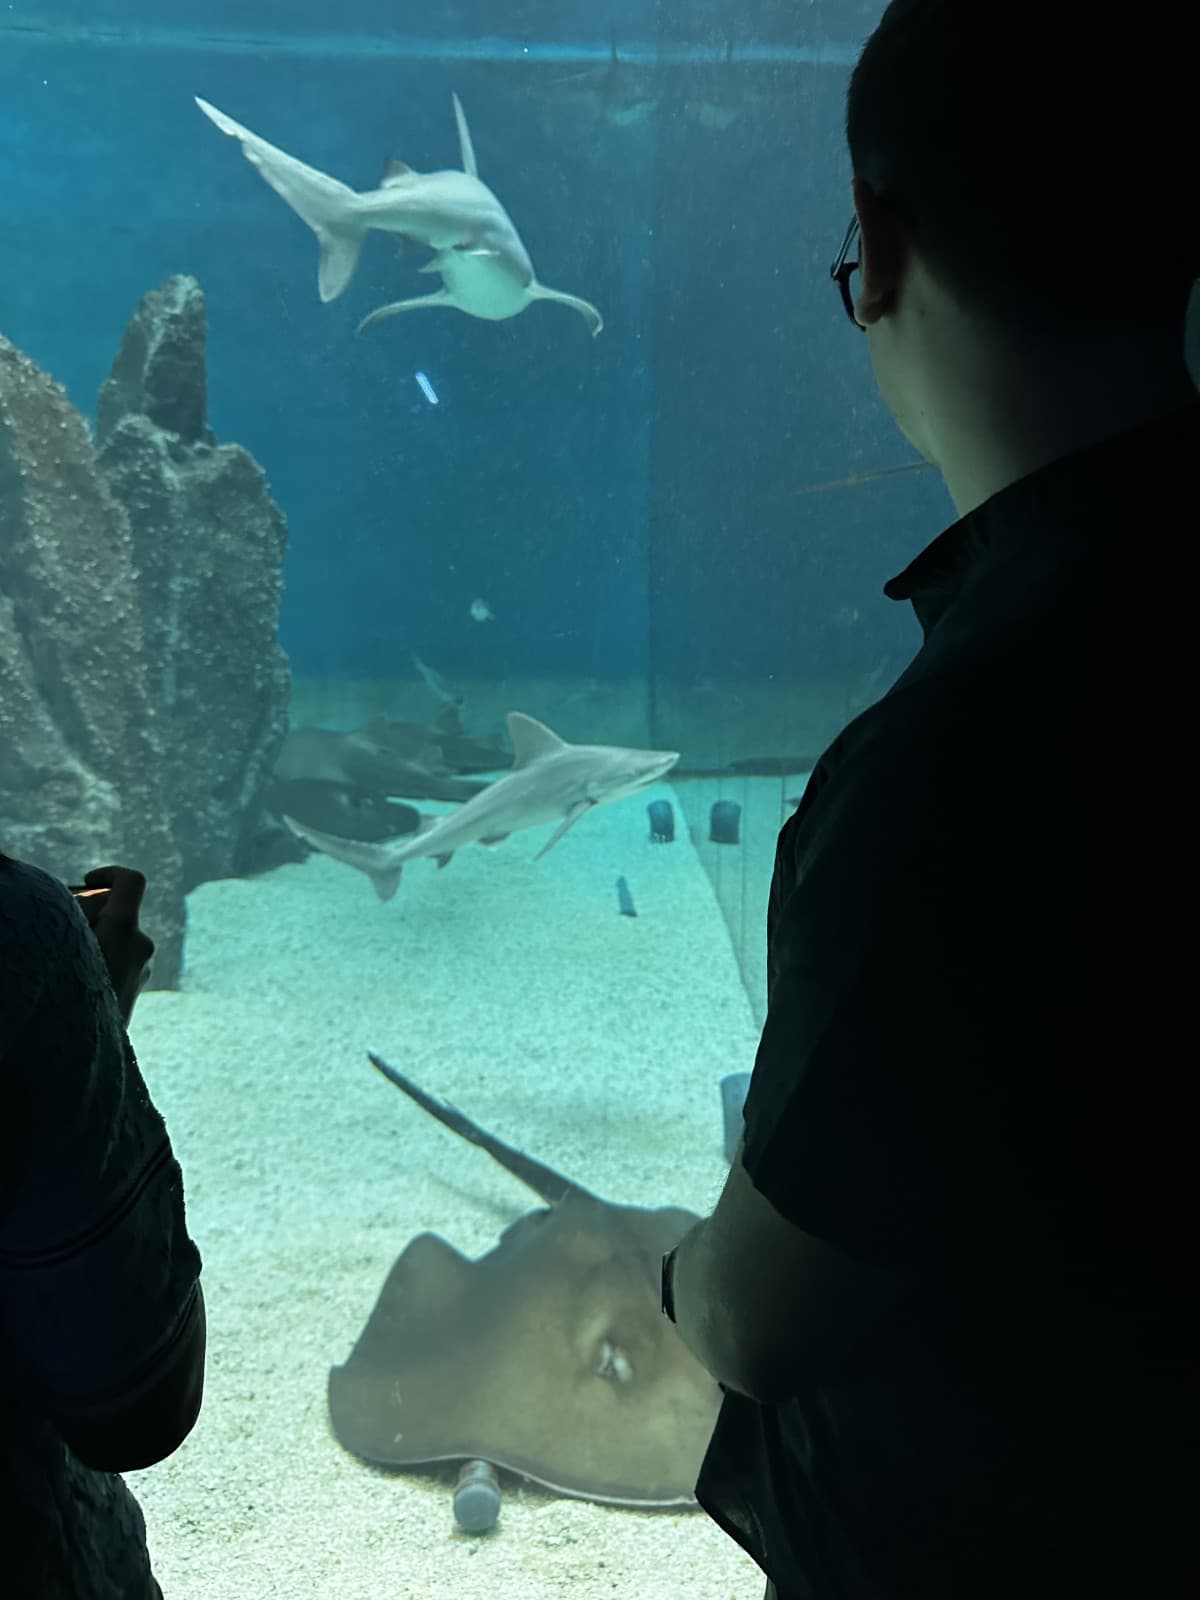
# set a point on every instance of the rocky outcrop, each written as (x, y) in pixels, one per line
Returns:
(80, 752)
(161, 370)
(208, 545)
(143, 692)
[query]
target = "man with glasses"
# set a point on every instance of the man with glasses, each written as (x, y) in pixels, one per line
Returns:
(951, 1287)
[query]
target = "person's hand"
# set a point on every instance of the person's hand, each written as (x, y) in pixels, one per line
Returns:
(113, 918)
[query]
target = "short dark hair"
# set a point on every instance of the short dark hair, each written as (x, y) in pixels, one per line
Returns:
(1041, 153)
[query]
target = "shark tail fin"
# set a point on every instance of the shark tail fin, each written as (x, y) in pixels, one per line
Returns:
(330, 208)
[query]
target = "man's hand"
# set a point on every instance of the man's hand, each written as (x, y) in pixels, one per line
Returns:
(114, 920)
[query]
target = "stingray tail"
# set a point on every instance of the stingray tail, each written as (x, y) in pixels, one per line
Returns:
(543, 1180)
(330, 208)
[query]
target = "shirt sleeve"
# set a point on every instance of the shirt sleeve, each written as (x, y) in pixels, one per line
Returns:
(98, 1275)
(846, 1122)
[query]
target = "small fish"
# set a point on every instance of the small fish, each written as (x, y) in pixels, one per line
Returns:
(436, 684)
(481, 611)
(426, 388)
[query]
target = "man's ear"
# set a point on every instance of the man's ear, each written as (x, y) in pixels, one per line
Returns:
(883, 246)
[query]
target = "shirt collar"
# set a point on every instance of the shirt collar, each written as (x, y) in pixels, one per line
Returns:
(1090, 486)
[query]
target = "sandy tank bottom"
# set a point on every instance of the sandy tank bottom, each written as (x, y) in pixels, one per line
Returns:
(514, 988)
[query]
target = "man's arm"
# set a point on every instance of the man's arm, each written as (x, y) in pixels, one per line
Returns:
(765, 1307)
(147, 1426)
(100, 1305)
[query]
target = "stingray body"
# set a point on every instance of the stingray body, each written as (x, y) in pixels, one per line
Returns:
(548, 1356)
(399, 759)
(483, 263)
(461, 752)
(345, 808)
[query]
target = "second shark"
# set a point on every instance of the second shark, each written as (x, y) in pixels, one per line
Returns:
(550, 781)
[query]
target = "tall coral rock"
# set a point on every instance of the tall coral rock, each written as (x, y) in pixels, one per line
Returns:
(143, 692)
(80, 750)
(208, 546)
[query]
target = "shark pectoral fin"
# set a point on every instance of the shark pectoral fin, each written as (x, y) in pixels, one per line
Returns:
(595, 322)
(440, 297)
(464, 140)
(494, 838)
(386, 883)
(444, 860)
(568, 821)
(435, 265)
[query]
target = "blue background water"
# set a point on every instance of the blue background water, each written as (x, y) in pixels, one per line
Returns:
(645, 502)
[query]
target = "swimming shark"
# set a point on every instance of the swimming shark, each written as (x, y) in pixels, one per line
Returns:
(550, 781)
(484, 266)
(622, 95)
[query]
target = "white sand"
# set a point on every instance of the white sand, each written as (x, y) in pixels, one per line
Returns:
(515, 989)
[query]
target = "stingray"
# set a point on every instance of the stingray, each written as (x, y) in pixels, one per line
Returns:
(461, 752)
(548, 1356)
(343, 808)
(398, 759)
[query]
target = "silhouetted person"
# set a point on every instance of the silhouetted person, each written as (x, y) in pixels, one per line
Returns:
(101, 1316)
(951, 1285)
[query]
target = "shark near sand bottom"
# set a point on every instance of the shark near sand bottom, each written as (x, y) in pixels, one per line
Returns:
(484, 266)
(550, 781)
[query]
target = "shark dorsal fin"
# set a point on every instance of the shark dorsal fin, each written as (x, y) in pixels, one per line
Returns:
(396, 171)
(531, 740)
(464, 140)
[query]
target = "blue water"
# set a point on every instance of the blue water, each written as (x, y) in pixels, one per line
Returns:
(674, 534)
(646, 503)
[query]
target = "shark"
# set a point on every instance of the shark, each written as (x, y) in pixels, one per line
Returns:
(623, 96)
(550, 781)
(484, 266)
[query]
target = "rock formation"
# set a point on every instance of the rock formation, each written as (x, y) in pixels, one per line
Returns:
(143, 693)
(80, 754)
(208, 544)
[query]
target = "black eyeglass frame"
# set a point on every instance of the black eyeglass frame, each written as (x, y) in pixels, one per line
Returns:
(843, 268)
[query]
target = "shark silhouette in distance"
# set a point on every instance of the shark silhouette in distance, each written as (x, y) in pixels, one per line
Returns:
(550, 781)
(623, 95)
(485, 268)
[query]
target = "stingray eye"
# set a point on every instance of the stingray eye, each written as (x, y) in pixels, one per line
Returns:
(613, 1363)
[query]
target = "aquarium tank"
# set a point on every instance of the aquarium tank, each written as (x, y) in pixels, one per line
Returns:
(443, 598)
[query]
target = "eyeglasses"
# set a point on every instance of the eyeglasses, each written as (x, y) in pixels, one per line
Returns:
(844, 267)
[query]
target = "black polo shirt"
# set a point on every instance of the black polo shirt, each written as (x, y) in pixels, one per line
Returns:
(977, 1066)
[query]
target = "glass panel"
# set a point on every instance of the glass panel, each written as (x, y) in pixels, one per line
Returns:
(669, 538)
